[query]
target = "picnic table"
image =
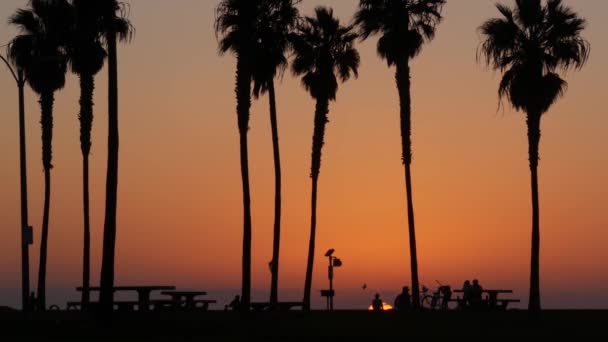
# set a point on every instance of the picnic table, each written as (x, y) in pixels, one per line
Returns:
(187, 298)
(493, 300)
(143, 293)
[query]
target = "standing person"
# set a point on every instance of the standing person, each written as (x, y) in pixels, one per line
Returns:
(403, 301)
(446, 296)
(377, 304)
(467, 292)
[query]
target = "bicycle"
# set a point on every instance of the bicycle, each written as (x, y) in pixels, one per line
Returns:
(438, 299)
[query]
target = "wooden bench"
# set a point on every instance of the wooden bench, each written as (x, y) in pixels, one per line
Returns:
(282, 306)
(119, 305)
(126, 305)
(503, 303)
(168, 304)
(204, 303)
(162, 304)
(70, 306)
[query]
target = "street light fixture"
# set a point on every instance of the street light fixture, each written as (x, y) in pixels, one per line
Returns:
(333, 262)
(26, 230)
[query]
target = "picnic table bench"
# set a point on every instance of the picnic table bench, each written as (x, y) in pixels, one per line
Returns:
(282, 306)
(143, 292)
(492, 301)
(187, 300)
(120, 305)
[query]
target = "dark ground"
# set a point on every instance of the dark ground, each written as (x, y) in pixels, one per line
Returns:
(295, 325)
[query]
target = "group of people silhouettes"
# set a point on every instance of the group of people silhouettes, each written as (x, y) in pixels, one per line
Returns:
(471, 298)
(471, 295)
(403, 301)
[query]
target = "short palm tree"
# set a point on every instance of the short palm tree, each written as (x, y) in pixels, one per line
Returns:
(324, 52)
(278, 19)
(115, 26)
(236, 23)
(528, 44)
(40, 52)
(404, 26)
(87, 55)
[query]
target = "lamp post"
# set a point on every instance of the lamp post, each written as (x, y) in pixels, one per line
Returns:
(333, 262)
(26, 230)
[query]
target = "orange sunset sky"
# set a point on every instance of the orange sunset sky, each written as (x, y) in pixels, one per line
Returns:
(179, 204)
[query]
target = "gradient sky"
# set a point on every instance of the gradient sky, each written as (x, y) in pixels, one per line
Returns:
(179, 209)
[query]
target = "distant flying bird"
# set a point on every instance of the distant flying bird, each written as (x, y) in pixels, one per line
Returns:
(364, 286)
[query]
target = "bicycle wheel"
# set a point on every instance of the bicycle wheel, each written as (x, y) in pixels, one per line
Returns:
(425, 302)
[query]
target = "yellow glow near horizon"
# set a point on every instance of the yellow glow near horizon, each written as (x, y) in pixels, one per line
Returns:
(385, 307)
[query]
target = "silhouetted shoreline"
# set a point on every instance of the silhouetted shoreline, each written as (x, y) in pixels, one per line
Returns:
(227, 324)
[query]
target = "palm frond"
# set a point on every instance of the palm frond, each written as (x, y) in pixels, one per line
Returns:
(323, 52)
(403, 25)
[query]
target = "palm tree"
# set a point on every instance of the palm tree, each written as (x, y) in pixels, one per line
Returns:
(278, 19)
(40, 52)
(404, 26)
(87, 56)
(324, 52)
(528, 44)
(236, 23)
(25, 257)
(114, 26)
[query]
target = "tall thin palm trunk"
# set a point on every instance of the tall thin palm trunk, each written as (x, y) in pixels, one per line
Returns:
(25, 256)
(106, 295)
(533, 143)
(274, 283)
(321, 110)
(86, 236)
(46, 121)
(243, 94)
(87, 86)
(403, 84)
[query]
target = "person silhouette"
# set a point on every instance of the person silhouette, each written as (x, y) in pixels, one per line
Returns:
(466, 293)
(476, 291)
(235, 303)
(377, 304)
(32, 301)
(446, 296)
(403, 301)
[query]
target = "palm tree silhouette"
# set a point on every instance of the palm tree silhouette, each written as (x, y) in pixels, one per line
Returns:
(114, 25)
(25, 256)
(324, 51)
(278, 19)
(40, 52)
(404, 26)
(87, 56)
(528, 44)
(236, 23)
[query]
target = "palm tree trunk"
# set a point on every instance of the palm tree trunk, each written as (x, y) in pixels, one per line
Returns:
(243, 94)
(25, 262)
(106, 295)
(274, 283)
(403, 84)
(533, 143)
(87, 86)
(86, 237)
(322, 108)
(46, 121)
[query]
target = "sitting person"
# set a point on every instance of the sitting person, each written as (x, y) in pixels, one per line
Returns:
(403, 301)
(377, 304)
(236, 303)
(466, 294)
(476, 291)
